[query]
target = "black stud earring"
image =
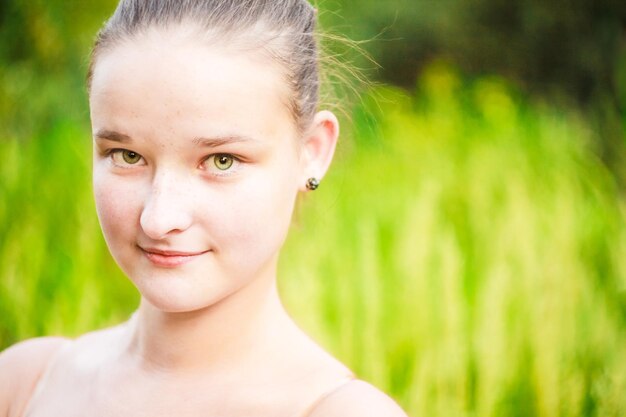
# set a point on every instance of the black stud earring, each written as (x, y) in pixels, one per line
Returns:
(312, 183)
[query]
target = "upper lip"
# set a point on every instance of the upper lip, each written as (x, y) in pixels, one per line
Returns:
(169, 252)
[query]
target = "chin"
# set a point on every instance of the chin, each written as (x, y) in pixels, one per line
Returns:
(171, 304)
(170, 294)
(179, 293)
(177, 302)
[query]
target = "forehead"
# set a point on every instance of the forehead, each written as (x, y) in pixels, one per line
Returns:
(177, 85)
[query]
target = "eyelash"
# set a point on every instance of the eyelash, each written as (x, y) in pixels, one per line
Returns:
(111, 153)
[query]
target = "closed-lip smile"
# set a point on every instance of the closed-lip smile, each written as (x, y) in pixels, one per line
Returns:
(170, 258)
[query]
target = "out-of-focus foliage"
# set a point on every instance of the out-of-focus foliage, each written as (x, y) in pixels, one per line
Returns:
(465, 254)
(472, 258)
(561, 50)
(51, 34)
(573, 46)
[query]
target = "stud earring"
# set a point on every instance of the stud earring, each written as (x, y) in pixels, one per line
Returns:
(312, 183)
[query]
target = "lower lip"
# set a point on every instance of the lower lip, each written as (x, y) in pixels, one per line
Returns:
(170, 261)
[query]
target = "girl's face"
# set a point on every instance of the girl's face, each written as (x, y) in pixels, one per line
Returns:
(196, 167)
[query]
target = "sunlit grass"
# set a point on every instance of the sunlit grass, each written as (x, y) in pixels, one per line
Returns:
(465, 253)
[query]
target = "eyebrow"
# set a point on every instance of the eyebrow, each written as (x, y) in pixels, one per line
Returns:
(205, 142)
(222, 140)
(112, 136)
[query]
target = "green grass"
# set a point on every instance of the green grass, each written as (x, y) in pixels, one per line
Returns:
(465, 253)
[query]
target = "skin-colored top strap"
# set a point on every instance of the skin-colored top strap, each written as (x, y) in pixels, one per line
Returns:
(337, 387)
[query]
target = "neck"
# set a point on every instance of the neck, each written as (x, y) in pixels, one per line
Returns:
(228, 335)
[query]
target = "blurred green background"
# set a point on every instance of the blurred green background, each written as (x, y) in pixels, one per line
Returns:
(466, 253)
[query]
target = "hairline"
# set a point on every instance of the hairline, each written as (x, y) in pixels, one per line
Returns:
(241, 41)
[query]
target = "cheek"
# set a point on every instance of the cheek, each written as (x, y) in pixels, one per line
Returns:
(258, 218)
(116, 207)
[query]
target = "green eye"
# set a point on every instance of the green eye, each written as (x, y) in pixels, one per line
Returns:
(223, 161)
(130, 157)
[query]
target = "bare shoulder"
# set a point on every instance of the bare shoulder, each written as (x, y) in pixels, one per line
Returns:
(21, 365)
(357, 398)
(24, 361)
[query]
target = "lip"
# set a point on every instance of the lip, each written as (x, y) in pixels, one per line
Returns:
(170, 258)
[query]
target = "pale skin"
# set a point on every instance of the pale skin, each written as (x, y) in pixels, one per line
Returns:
(197, 164)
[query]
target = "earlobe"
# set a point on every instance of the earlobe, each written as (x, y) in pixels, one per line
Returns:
(319, 147)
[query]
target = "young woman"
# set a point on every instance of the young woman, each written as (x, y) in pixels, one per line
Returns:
(205, 130)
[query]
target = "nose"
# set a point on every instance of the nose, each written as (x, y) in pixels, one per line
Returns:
(167, 209)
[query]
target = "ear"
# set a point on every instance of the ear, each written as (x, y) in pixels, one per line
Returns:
(318, 147)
